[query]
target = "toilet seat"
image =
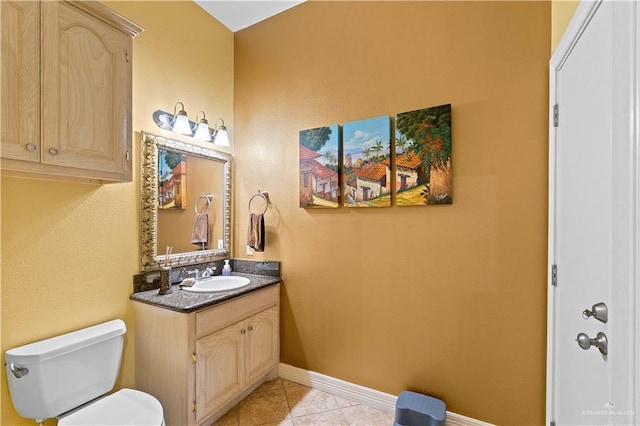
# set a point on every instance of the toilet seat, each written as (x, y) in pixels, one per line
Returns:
(125, 407)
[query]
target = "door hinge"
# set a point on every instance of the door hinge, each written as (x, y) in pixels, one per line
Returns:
(554, 275)
(556, 114)
(552, 423)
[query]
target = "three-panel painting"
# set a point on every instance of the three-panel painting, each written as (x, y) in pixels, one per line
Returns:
(363, 167)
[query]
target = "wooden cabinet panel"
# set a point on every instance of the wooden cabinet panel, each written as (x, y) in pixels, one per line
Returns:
(262, 349)
(66, 100)
(84, 92)
(219, 369)
(231, 359)
(20, 100)
(214, 319)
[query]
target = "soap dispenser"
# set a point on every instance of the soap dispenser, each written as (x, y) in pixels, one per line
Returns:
(226, 269)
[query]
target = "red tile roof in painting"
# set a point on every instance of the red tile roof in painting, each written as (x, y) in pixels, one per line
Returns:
(308, 154)
(409, 160)
(321, 171)
(167, 185)
(372, 171)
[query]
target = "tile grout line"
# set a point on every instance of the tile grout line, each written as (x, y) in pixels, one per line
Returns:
(347, 420)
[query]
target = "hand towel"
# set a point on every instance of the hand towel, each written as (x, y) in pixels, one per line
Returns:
(255, 234)
(200, 233)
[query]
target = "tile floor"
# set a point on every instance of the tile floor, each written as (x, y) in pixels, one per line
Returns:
(286, 403)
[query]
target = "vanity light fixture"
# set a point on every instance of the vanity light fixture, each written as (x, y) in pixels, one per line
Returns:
(202, 130)
(221, 137)
(181, 121)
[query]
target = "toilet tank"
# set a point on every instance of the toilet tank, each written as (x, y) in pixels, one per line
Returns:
(52, 376)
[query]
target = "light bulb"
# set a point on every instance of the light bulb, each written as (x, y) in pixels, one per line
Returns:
(222, 138)
(181, 124)
(202, 131)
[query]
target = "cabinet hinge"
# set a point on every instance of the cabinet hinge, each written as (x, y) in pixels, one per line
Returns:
(194, 406)
(127, 156)
(552, 423)
(556, 115)
(554, 275)
(126, 55)
(193, 357)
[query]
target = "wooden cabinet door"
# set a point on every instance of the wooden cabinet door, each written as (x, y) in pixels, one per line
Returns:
(20, 100)
(85, 91)
(262, 346)
(219, 369)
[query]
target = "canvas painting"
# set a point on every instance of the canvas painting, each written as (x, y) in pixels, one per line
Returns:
(172, 179)
(319, 167)
(366, 163)
(423, 173)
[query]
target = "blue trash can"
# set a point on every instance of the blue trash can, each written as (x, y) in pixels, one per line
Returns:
(416, 409)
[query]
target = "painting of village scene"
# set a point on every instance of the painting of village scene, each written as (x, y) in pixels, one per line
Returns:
(319, 177)
(423, 157)
(172, 179)
(366, 167)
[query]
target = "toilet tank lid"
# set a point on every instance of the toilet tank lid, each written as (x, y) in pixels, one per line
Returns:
(58, 345)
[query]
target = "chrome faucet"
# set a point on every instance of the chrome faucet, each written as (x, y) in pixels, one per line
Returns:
(208, 272)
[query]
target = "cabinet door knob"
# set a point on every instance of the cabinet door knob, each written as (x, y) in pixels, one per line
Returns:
(243, 331)
(31, 147)
(250, 328)
(53, 151)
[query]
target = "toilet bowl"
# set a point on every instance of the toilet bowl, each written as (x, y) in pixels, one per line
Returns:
(69, 376)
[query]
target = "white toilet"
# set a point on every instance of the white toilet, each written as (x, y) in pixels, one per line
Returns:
(68, 376)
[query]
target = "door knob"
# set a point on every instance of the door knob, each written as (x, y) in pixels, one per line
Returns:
(600, 342)
(599, 311)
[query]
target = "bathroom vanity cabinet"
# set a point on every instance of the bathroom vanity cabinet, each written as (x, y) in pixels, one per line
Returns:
(66, 90)
(202, 363)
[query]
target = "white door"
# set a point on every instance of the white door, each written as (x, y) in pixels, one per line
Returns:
(593, 219)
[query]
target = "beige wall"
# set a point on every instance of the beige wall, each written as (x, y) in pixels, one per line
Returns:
(561, 13)
(448, 300)
(69, 251)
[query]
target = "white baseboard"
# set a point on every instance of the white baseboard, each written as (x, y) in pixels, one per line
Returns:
(362, 395)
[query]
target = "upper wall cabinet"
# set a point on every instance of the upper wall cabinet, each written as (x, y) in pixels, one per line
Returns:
(66, 91)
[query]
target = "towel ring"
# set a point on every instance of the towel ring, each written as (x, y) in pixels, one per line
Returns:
(207, 197)
(264, 196)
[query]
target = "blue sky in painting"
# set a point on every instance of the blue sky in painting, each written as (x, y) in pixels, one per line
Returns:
(331, 145)
(163, 169)
(362, 134)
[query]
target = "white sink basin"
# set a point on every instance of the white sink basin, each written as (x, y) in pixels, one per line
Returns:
(217, 283)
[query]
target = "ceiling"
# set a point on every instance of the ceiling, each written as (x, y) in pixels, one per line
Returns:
(239, 14)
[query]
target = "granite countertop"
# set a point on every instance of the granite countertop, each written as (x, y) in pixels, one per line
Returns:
(185, 302)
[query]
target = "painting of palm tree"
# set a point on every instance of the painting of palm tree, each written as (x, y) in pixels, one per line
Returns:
(423, 157)
(366, 168)
(319, 169)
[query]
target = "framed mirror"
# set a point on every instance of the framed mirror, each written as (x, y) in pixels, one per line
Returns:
(185, 203)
